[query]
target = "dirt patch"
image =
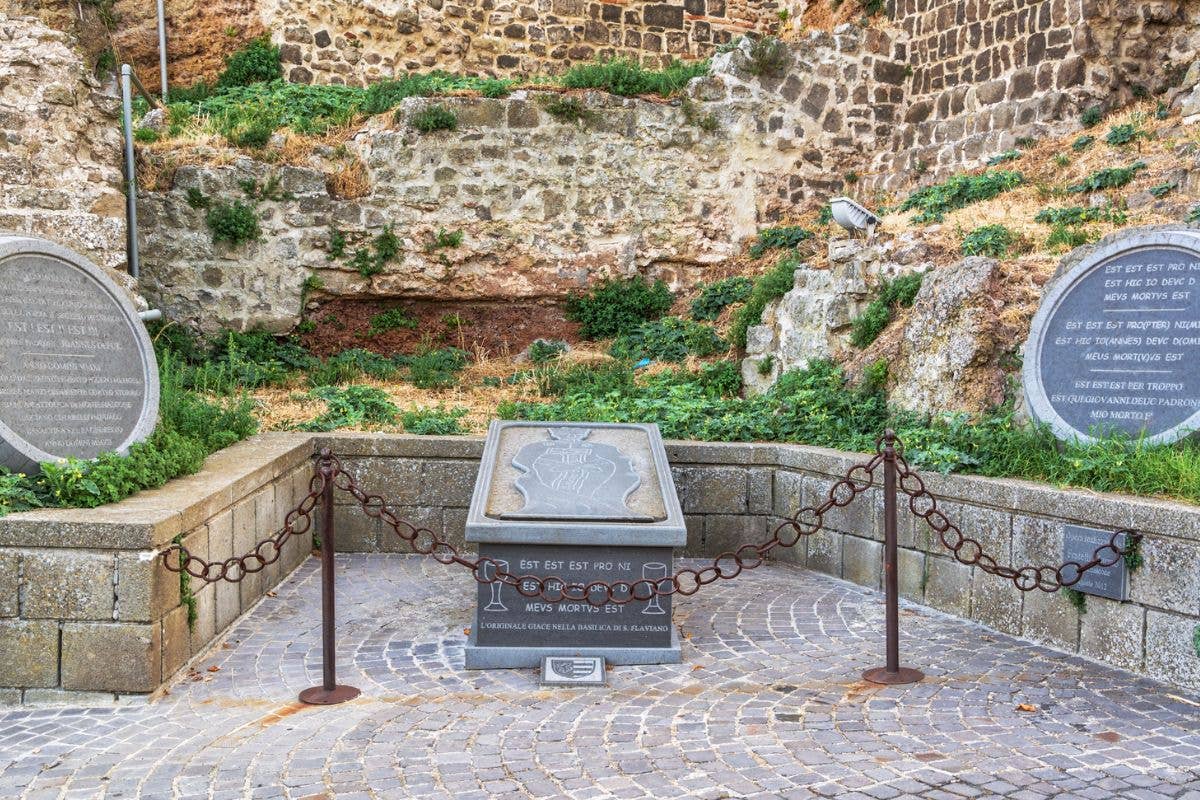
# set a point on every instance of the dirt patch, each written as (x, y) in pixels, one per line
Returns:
(484, 329)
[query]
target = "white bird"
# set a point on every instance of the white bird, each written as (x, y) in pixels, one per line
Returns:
(852, 216)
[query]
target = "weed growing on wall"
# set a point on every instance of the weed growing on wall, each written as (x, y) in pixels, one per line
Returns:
(1091, 116)
(435, 118)
(1077, 215)
(566, 109)
(775, 283)
(625, 77)
(769, 56)
(390, 320)
(1082, 143)
(234, 222)
(1076, 598)
(1007, 155)
(444, 239)
(959, 191)
(1120, 135)
(715, 297)
(1161, 190)
(196, 198)
(254, 63)
(615, 306)
(901, 292)
(784, 237)
(1066, 237)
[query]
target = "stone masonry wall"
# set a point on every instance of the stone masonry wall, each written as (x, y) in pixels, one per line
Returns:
(60, 148)
(85, 607)
(331, 41)
(88, 611)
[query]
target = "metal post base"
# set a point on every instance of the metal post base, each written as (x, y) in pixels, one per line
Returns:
(900, 676)
(320, 696)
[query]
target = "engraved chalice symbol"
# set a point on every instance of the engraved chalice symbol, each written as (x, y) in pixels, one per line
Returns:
(651, 571)
(489, 569)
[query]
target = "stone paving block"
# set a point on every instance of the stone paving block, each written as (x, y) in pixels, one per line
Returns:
(712, 490)
(10, 561)
(1050, 618)
(788, 491)
(1171, 648)
(60, 697)
(948, 586)
(447, 483)
(28, 653)
(1112, 632)
(1169, 576)
(862, 561)
(825, 552)
(728, 532)
(397, 480)
(419, 517)
(355, 532)
(67, 584)
(115, 657)
(996, 602)
(911, 575)
(176, 641)
(146, 589)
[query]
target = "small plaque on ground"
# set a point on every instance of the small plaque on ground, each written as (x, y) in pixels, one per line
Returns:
(1115, 343)
(1079, 545)
(568, 670)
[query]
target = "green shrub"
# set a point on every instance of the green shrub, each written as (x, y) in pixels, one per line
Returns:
(715, 297)
(1082, 143)
(1193, 214)
(1108, 178)
(436, 369)
(766, 365)
(234, 223)
(387, 94)
(784, 237)
(615, 306)
(1161, 190)
(1077, 215)
(566, 109)
(434, 421)
(257, 62)
(901, 292)
(668, 339)
(1007, 155)
(1123, 134)
(1091, 116)
(496, 88)
(774, 283)
(371, 261)
(1067, 237)
(351, 407)
(1062, 160)
(543, 351)
(989, 240)
(350, 365)
(959, 191)
(769, 56)
(16, 492)
(622, 76)
(444, 238)
(337, 244)
(196, 198)
(599, 378)
(435, 118)
(145, 135)
(390, 320)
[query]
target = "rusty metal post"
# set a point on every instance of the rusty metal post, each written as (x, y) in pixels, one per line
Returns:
(893, 673)
(329, 692)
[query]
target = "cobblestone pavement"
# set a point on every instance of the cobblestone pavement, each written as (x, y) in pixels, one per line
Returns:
(767, 704)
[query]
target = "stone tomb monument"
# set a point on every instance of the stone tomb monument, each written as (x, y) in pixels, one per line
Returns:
(583, 502)
(1115, 345)
(79, 374)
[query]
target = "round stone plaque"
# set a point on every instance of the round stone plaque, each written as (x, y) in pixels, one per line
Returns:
(1115, 345)
(79, 377)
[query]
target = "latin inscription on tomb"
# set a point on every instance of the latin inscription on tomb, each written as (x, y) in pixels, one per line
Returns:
(1116, 344)
(79, 376)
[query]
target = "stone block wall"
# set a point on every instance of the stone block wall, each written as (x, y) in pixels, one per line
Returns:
(87, 611)
(330, 41)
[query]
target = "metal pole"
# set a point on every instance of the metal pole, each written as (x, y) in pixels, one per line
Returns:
(131, 244)
(162, 48)
(893, 673)
(328, 693)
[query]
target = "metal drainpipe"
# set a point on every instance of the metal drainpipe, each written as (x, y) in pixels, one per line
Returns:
(162, 49)
(131, 244)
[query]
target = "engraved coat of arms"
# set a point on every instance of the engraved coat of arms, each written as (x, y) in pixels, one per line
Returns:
(567, 476)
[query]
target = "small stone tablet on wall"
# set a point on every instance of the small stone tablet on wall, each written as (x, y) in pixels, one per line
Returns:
(79, 373)
(1115, 343)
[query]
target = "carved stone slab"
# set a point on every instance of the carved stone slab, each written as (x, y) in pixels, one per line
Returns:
(79, 373)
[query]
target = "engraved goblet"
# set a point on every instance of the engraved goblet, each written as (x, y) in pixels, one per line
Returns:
(489, 569)
(654, 571)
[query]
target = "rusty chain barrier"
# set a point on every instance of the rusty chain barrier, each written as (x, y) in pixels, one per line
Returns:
(898, 477)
